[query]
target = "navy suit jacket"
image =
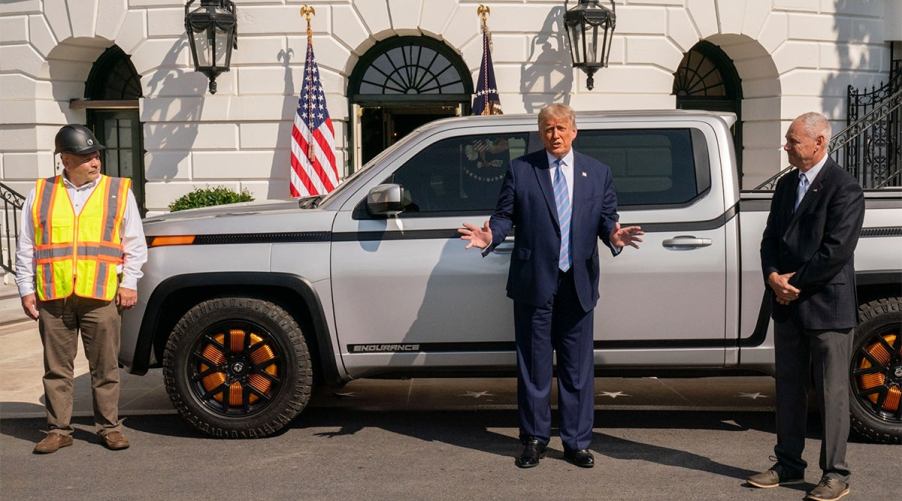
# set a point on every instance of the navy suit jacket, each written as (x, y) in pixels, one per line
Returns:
(817, 242)
(526, 202)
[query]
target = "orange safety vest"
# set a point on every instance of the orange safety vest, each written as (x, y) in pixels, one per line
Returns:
(78, 253)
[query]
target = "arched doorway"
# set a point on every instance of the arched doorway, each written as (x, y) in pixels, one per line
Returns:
(707, 80)
(111, 99)
(400, 84)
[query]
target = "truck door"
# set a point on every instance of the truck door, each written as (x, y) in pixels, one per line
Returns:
(663, 304)
(406, 291)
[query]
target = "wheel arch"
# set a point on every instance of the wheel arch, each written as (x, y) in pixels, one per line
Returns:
(173, 297)
(874, 285)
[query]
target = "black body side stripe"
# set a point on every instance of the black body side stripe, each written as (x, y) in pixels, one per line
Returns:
(449, 234)
(881, 231)
(508, 346)
(263, 238)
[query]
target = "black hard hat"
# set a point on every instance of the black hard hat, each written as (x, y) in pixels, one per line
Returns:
(77, 139)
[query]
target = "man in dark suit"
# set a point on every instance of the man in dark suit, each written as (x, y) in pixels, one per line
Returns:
(560, 202)
(807, 258)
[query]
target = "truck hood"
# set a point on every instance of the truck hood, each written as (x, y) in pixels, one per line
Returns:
(242, 218)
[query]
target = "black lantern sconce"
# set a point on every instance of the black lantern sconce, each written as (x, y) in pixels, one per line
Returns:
(590, 28)
(212, 34)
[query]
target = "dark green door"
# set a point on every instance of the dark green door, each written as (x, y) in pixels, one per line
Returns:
(120, 132)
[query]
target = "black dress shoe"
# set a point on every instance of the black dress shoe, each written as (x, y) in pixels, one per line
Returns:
(582, 458)
(533, 451)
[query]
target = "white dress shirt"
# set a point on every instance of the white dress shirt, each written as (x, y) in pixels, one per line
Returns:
(132, 231)
(566, 170)
(814, 171)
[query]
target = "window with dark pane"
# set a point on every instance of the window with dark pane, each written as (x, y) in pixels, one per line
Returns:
(659, 167)
(458, 175)
(112, 92)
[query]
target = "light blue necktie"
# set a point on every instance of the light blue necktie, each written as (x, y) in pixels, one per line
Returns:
(800, 193)
(562, 201)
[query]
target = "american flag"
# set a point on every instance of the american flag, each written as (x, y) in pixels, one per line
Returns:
(313, 168)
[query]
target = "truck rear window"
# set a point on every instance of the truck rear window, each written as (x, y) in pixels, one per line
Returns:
(651, 167)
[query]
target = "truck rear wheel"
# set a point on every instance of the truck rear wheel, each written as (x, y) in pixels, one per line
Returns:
(876, 372)
(237, 367)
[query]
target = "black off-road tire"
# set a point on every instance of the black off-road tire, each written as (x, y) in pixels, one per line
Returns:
(881, 319)
(268, 352)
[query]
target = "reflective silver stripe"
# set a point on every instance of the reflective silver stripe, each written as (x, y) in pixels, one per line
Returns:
(102, 269)
(52, 253)
(49, 291)
(98, 250)
(44, 209)
(112, 208)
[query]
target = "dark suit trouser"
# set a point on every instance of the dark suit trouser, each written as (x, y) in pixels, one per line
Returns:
(562, 326)
(823, 356)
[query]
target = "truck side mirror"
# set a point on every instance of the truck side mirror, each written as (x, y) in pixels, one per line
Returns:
(385, 200)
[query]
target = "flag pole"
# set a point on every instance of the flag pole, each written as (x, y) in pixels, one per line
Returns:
(307, 12)
(483, 12)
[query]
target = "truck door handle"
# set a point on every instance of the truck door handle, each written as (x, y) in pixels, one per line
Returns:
(686, 242)
(505, 247)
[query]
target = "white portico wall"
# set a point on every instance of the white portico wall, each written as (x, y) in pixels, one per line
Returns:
(792, 56)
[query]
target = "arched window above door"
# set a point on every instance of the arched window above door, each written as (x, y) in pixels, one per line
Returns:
(707, 72)
(410, 66)
(113, 77)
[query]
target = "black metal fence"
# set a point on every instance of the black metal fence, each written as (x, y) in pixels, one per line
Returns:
(874, 154)
(870, 147)
(12, 207)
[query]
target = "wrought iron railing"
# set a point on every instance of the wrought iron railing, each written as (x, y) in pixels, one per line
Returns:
(870, 148)
(12, 206)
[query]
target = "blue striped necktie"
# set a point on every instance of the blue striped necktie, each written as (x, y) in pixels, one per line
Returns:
(562, 201)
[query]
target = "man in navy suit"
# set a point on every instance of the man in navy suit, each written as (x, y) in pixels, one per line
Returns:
(807, 255)
(560, 202)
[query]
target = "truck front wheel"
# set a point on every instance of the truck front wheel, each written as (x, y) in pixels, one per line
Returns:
(237, 367)
(876, 372)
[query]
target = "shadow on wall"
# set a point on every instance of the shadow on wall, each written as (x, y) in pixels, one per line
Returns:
(848, 31)
(279, 171)
(170, 123)
(549, 77)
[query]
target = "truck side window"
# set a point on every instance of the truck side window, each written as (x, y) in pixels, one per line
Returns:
(458, 175)
(651, 167)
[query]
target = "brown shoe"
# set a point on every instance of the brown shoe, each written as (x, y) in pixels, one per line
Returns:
(114, 441)
(829, 489)
(52, 443)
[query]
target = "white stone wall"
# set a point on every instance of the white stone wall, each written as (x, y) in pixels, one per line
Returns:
(792, 56)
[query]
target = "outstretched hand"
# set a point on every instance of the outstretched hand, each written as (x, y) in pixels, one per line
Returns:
(627, 235)
(476, 236)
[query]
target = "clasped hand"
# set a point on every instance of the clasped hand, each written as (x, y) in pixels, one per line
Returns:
(785, 292)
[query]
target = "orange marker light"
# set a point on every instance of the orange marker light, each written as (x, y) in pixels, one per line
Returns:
(171, 240)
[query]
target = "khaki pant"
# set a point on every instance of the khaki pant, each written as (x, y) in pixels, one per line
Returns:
(98, 322)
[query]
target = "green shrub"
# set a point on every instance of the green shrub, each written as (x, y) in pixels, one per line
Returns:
(207, 197)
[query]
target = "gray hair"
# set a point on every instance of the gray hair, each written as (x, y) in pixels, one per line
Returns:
(815, 124)
(559, 111)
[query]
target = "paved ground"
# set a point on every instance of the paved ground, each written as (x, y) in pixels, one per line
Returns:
(410, 439)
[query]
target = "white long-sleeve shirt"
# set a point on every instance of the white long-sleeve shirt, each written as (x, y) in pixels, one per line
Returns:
(133, 242)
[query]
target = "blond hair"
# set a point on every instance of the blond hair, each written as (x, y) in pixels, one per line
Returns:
(559, 111)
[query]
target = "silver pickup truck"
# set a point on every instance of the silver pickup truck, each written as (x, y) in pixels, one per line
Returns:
(247, 307)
